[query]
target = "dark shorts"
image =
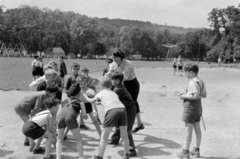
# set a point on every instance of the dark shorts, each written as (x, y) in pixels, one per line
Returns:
(115, 117)
(174, 66)
(192, 111)
(179, 67)
(67, 117)
(32, 130)
(88, 107)
(20, 111)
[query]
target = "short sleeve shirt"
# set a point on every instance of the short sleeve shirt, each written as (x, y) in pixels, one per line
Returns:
(196, 85)
(126, 68)
(41, 118)
(109, 100)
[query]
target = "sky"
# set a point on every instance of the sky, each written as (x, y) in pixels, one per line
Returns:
(184, 13)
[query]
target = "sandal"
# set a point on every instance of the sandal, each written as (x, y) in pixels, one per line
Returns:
(138, 128)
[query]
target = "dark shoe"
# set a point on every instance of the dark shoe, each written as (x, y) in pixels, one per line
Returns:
(132, 153)
(138, 128)
(195, 152)
(113, 143)
(65, 138)
(50, 157)
(126, 156)
(97, 157)
(184, 154)
(26, 143)
(38, 151)
(83, 126)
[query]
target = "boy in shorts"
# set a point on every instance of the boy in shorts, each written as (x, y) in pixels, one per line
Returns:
(192, 111)
(90, 107)
(34, 127)
(174, 66)
(127, 101)
(180, 65)
(115, 116)
(67, 117)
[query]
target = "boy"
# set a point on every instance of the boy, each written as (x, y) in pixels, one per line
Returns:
(34, 68)
(115, 115)
(180, 65)
(174, 66)
(109, 61)
(25, 106)
(33, 128)
(72, 79)
(89, 107)
(91, 83)
(62, 68)
(192, 110)
(67, 117)
(126, 99)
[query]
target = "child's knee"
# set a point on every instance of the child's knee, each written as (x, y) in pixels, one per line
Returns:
(60, 139)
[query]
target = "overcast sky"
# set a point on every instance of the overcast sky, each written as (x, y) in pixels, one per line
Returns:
(185, 13)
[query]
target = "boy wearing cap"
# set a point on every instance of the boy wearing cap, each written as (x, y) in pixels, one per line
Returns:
(67, 117)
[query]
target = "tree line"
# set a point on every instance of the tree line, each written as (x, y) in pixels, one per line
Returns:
(39, 29)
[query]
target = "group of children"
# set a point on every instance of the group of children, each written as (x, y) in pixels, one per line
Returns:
(45, 108)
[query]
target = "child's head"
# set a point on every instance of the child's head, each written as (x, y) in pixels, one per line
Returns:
(85, 71)
(54, 65)
(117, 78)
(83, 82)
(46, 67)
(50, 75)
(191, 70)
(52, 104)
(174, 59)
(74, 91)
(106, 82)
(60, 58)
(75, 68)
(51, 90)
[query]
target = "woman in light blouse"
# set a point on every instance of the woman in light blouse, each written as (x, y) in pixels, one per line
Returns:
(130, 81)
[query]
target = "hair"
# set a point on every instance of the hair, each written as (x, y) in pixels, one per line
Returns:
(52, 62)
(109, 61)
(85, 69)
(46, 67)
(117, 76)
(50, 102)
(191, 67)
(106, 82)
(53, 88)
(74, 90)
(61, 57)
(118, 53)
(74, 65)
(49, 72)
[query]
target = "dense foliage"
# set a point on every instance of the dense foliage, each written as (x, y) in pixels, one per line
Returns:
(41, 29)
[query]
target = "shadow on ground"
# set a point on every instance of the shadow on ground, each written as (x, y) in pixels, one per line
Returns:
(153, 146)
(214, 157)
(4, 153)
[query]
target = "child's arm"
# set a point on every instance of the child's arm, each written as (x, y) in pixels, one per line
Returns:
(83, 110)
(90, 100)
(193, 96)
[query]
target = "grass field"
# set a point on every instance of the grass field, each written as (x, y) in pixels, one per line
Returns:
(16, 72)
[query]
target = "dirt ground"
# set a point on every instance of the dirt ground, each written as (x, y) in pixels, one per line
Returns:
(161, 111)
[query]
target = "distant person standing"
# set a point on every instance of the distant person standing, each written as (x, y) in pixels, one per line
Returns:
(62, 68)
(34, 68)
(180, 65)
(219, 61)
(174, 66)
(41, 73)
(235, 62)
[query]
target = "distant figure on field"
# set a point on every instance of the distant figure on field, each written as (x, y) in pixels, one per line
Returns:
(62, 68)
(192, 110)
(235, 62)
(174, 66)
(180, 65)
(219, 61)
(35, 73)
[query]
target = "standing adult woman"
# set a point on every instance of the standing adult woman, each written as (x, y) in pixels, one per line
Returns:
(120, 64)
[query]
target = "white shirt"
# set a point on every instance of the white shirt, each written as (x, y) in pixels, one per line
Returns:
(41, 118)
(109, 100)
(34, 84)
(196, 85)
(126, 68)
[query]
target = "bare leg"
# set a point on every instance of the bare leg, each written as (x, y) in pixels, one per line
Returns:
(198, 133)
(25, 119)
(139, 120)
(103, 141)
(78, 137)
(59, 143)
(48, 144)
(188, 137)
(124, 135)
(96, 124)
